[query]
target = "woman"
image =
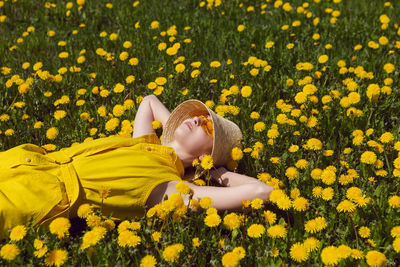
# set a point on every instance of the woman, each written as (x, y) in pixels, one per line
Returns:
(137, 172)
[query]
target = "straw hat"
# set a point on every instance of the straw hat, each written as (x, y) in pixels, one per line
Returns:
(227, 134)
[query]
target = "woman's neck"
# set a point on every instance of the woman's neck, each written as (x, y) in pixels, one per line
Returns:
(185, 157)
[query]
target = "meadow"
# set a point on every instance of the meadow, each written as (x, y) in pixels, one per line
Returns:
(314, 86)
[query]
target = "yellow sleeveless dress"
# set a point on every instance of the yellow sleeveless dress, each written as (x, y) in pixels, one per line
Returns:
(34, 183)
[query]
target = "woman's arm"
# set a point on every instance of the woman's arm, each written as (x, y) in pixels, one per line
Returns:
(227, 178)
(150, 109)
(226, 198)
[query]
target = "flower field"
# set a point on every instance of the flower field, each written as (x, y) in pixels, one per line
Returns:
(314, 86)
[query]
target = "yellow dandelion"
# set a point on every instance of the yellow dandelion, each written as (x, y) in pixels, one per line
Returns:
(60, 227)
(212, 220)
(84, 210)
(368, 157)
(298, 252)
(230, 259)
(183, 188)
(231, 221)
(330, 255)
(171, 252)
(148, 261)
(311, 244)
(375, 258)
(255, 230)
(207, 162)
(346, 206)
(56, 257)
(277, 231)
(52, 133)
(128, 238)
(394, 202)
(18, 232)
(9, 252)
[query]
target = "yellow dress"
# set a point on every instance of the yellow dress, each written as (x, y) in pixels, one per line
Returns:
(34, 183)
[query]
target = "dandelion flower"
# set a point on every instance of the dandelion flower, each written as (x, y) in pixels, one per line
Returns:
(84, 210)
(368, 157)
(9, 252)
(300, 204)
(231, 221)
(300, 98)
(364, 232)
(394, 202)
(196, 242)
(386, 137)
(230, 259)
(128, 238)
(356, 254)
(259, 126)
(257, 203)
(328, 177)
(330, 255)
(205, 202)
(52, 133)
(56, 257)
(313, 144)
(277, 231)
(40, 252)
(301, 164)
(284, 203)
(270, 216)
(396, 245)
(353, 193)
(148, 261)
(182, 188)
(291, 173)
(60, 226)
(215, 64)
(327, 193)
(375, 258)
(241, 28)
(93, 236)
(240, 251)
(395, 232)
(18, 232)
(236, 153)
(344, 251)
(255, 230)
(311, 244)
(315, 225)
(207, 162)
(171, 252)
(298, 252)
(212, 220)
(346, 206)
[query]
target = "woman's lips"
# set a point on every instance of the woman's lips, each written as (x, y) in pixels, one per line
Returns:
(189, 125)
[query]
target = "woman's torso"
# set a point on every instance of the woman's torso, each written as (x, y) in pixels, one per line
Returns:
(129, 167)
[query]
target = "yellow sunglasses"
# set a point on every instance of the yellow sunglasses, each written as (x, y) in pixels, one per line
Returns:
(206, 124)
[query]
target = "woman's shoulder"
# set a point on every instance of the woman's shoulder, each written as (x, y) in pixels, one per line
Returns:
(157, 194)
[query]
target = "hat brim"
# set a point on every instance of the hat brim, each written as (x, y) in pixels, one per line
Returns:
(226, 134)
(182, 113)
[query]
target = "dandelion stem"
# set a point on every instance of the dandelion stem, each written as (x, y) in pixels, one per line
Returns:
(355, 230)
(15, 98)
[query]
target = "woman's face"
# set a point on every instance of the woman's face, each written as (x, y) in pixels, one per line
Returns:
(193, 138)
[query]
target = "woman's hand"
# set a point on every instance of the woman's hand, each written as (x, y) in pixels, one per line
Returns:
(150, 109)
(216, 174)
